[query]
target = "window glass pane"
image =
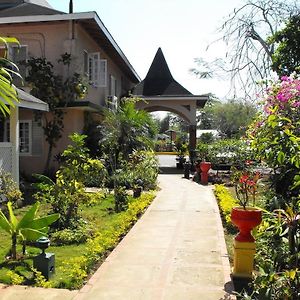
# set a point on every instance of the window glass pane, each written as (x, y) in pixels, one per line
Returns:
(24, 137)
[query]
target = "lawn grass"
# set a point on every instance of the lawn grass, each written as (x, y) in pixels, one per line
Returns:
(99, 215)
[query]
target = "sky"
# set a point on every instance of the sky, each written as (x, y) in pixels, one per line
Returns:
(182, 28)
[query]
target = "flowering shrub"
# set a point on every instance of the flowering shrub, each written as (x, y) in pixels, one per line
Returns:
(275, 135)
(246, 184)
(276, 138)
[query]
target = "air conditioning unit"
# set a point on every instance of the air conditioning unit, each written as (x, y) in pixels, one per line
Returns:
(112, 102)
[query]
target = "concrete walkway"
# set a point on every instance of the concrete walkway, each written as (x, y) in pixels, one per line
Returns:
(175, 251)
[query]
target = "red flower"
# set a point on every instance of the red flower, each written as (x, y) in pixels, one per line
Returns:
(244, 178)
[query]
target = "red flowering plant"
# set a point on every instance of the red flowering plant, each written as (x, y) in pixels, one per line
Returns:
(246, 186)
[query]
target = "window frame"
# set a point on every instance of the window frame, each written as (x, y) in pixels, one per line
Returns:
(7, 136)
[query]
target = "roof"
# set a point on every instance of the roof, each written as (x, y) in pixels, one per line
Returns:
(31, 102)
(26, 8)
(93, 25)
(159, 80)
(159, 84)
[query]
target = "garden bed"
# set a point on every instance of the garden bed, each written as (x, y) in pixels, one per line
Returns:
(75, 262)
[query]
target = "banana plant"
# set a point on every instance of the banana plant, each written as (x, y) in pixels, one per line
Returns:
(29, 228)
(8, 93)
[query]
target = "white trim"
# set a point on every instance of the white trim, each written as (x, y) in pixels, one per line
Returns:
(161, 98)
(5, 136)
(29, 122)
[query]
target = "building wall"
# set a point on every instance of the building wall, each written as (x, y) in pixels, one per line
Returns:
(51, 40)
(35, 163)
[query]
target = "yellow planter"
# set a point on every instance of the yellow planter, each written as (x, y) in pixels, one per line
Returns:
(243, 259)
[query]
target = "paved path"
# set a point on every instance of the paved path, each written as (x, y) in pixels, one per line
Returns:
(176, 251)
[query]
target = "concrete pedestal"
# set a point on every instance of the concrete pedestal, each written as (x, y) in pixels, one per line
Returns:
(243, 259)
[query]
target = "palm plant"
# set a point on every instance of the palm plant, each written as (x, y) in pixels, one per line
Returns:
(29, 228)
(8, 93)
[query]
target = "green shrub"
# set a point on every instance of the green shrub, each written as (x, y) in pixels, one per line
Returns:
(9, 190)
(226, 202)
(15, 278)
(143, 167)
(102, 242)
(71, 236)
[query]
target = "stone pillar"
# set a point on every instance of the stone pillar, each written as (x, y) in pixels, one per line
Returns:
(14, 139)
(192, 144)
(192, 137)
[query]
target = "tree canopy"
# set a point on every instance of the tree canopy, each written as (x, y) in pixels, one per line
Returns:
(286, 58)
(230, 118)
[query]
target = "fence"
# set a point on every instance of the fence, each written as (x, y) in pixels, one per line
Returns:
(6, 157)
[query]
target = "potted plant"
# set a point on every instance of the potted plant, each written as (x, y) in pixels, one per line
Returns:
(205, 163)
(246, 217)
(137, 188)
(181, 153)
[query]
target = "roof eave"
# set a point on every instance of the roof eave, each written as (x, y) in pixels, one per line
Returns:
(30, 102)
(74, 16)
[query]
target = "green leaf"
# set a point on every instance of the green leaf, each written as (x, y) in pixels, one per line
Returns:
(44, 221)
(9, 40)
(12, 217)
(29, 216)
(4, 223)
(281, 157)
(31, 234)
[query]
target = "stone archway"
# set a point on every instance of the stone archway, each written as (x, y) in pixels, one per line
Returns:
(162, 92)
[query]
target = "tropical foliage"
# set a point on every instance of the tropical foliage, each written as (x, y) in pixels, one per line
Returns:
(57, 92)
(29, 228)
(286, 58)
(8, 94)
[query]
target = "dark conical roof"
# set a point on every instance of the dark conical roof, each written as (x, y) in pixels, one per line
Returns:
(159, 80)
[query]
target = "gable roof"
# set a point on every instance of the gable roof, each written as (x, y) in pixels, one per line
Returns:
(159, 80)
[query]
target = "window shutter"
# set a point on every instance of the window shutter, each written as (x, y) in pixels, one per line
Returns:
(85, 63)
(94, 68)
(103, 72)
(37, 138)
(19, 56)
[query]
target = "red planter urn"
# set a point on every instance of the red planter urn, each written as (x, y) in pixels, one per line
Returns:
(204, 166)
(245, 220)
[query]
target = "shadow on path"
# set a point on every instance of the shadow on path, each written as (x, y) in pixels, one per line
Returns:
(170, 170)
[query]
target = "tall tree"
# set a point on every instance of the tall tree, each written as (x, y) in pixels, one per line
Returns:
(245, 32)
(230, 118)
(286, 58)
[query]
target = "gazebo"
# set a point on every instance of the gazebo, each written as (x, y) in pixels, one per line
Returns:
(162, 92)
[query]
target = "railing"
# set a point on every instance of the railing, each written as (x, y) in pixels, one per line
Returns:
(6, 157)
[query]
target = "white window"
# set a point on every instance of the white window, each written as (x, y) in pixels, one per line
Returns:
(97, 70)
(25, 136)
